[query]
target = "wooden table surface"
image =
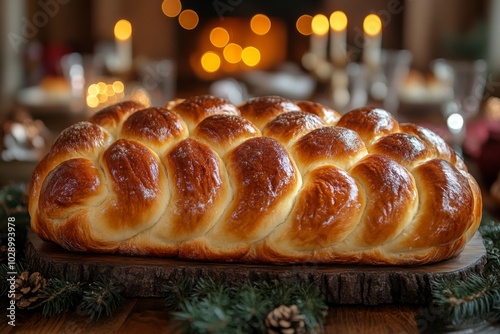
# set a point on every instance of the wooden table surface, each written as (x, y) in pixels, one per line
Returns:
(148, 315)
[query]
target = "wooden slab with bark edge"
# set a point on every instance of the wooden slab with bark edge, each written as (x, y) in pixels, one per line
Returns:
(340, 284)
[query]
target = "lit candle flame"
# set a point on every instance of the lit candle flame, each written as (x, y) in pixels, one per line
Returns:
(338, 21)
(372, 25)
(320, 24)
(123, 30)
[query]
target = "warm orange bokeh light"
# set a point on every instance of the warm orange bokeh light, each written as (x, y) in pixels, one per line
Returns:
(303, 24)
(320, 24)
(250, 56)
(219, 37)
(232, 53)
(123, 30)
(260, 24)
(338, 21)
(210, 61)
(372, 25)
(171, 8)
(188, 19)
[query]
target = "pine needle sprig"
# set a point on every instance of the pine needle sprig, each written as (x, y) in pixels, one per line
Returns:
(203, 316)
(61, 295)
(242, 308)
(467, 301)
(252, 307)
(208, 287)
(490, 232)
(176, 293)
(311, 305)
(279, 293)
(101, 297)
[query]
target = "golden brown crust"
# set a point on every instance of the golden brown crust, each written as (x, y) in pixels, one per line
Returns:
(195, 109)
(112, 117)
(328, 115)
(199, 191)
(449, 204)
(158, 128)
(405, 149)
(326, 211)
(336, 146)
(262, 110)
(369, 123)
(290, 126)
(262, 175)
(196, 180)
(224, 132)
(393, 199)
(136, 182)
(434, 143)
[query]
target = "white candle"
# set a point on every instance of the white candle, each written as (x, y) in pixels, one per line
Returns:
(372, 28)
(319, 37)
(338, 25)
(123, 43)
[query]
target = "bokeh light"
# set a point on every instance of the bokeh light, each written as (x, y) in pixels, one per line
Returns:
(210, 61)
(320, 24)
(303, 24)
(232, 53)
(338, 21)
(372, 25)
(260, 24)
(250, 56)
(219, 37)
(101, 94)
(171, 8)
(123, 30)
(188, 19)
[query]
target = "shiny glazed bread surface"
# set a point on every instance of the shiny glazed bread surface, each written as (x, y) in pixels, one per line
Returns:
(269, 181)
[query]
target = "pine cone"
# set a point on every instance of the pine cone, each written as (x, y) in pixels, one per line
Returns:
(284, 319)
(28, 288)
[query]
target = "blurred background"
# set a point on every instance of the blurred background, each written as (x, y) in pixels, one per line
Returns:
(435, 63)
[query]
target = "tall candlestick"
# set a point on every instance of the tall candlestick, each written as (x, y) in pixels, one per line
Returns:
(123, 43)
(319, 37)
(372, 27)
(338, 25)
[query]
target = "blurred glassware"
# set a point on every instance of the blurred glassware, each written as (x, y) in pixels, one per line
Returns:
(288, 81)
(158, 78)
(230, 89)
(468, 79)
(396, 66)
(356, 86)
(73, 70)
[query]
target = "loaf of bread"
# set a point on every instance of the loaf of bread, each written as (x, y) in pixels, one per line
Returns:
(268, 181)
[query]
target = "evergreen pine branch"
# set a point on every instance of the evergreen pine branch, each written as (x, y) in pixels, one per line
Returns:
(242, 308)
(478, 297)
(311, 305)
(467, 301)
(207, 287)
(251, 306)
(101, 297)
(177, 292)
(60, 296)
(279, 293)
(203, 316)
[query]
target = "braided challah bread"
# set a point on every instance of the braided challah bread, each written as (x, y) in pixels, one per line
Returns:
(269, 181)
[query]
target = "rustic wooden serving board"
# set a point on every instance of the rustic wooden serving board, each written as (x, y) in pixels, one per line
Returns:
(340, 284)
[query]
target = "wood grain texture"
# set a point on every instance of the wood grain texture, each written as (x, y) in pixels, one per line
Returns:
(340, 284)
